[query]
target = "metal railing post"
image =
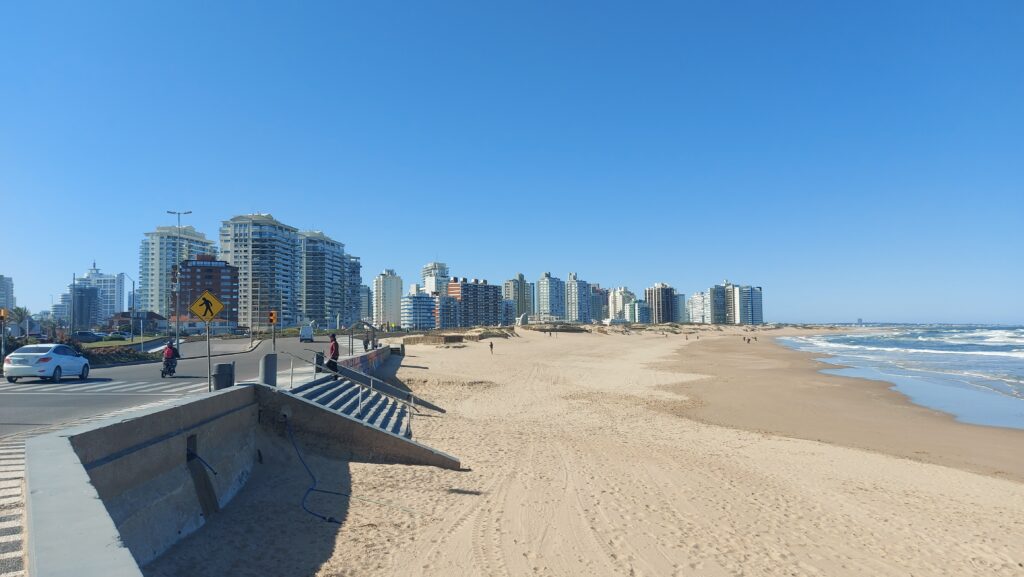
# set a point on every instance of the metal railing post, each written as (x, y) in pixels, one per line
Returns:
(291, 378)
(412, 409)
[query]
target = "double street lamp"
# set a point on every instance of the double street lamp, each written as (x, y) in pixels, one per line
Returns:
(177, 281)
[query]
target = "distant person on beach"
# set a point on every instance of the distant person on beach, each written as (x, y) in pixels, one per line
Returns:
(332, 354)
(492, 347)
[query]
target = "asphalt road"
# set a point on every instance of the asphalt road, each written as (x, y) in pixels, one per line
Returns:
(31, 404)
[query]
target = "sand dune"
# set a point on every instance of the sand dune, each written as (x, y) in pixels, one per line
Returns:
(580, 467)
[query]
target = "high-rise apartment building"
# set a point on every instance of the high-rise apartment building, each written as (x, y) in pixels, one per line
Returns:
(352, 295)
(577, 300)
(387, 299)
(638, 312)
(519, 291)
(661, 298)
(111, 292)
(418, 311)
(479, 302)
(598, 303)
(267, 254)
(7, 300)
(159, 252)
(85, 306)
(743, 304)
(435, 277)
(365, 304)
(550, 298)
(695, 308)
(446, 312)
(715, 305)
(682, 313)
(321, 279)
(618, 299)
(206, 273)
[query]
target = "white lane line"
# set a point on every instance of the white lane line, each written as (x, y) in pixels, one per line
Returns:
(19, 388)
(10, 538)
(127, 386)
(95, 386)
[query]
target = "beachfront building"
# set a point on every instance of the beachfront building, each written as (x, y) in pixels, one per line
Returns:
(418, 311)
(159, 252)
(661, 298)
(577, 300)
(618, 299)
(352, 302)
(206, 273)
(387, 299)
(638, 312)
(682, 313)
(435, 277)
(598, 303)
(7, 300)
(715, 305)
(446, 312)
(321, 279)
(695, 308)
(519, 291)
(742, 304)
(508, 313)
(365, 304)
(268, 257)
(550, 297)
(479, 302)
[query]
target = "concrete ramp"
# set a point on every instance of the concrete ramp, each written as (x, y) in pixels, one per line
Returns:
(106, 499)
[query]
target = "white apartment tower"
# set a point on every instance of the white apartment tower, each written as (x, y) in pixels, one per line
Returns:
(267, 254)
(618, 299)
(550, 298)
(577, 300)
(159, 251)
(387, 299)
(435, 278)
(110, 291)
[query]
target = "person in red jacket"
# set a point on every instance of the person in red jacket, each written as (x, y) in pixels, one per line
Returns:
(332, 355)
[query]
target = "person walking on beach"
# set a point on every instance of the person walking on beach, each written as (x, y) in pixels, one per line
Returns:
(332, 354)
(492, 347)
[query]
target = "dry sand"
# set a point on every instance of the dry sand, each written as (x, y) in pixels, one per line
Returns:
(597, 454)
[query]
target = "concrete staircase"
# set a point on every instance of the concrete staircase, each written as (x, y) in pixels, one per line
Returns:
(370, 406)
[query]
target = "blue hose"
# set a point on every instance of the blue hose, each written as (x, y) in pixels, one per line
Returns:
(312, 488)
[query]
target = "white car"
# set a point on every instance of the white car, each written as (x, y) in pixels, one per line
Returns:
(45, 362)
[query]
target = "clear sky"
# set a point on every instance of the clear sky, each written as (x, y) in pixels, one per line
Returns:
(856, 159)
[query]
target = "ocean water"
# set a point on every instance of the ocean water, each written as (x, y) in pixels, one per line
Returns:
(975, 373)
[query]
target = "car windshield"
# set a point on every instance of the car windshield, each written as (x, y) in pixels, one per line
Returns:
(33, 350)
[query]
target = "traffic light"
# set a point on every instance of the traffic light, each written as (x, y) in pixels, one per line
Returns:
(3, 314)
(273, 317)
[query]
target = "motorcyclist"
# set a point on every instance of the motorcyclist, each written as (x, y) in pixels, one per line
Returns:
(170, 357)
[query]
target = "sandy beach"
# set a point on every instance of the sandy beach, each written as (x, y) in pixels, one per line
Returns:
(643, 454)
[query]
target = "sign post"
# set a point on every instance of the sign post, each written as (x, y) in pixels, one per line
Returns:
(207, 307)
(3, 335)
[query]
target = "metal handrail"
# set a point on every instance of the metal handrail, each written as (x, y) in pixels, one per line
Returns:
(323, 368)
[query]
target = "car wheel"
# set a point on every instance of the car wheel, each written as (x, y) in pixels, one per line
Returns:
(56, 375)
(85, 372)
(12, 379)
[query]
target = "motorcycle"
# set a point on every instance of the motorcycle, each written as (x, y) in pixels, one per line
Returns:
(168, 369)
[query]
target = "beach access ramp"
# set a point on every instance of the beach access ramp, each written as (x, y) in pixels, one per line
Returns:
(111, 497)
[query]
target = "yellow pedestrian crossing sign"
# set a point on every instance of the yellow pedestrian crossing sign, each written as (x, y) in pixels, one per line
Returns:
(206, 307)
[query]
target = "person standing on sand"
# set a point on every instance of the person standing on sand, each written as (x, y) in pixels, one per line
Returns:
(332, 354)
(492, 347)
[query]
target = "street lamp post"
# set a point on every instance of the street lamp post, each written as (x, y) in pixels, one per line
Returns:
(131, 317)
(177, 283)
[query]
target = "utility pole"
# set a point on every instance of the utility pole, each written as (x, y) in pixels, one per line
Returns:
(177, 281)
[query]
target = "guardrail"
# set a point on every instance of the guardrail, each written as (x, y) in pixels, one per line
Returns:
(358, 379)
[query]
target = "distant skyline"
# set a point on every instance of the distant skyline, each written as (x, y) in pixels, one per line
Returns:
(855, 160)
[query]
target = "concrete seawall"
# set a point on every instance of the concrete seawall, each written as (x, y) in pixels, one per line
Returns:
(105, 499)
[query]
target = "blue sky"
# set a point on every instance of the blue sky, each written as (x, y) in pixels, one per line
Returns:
(860, 159)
